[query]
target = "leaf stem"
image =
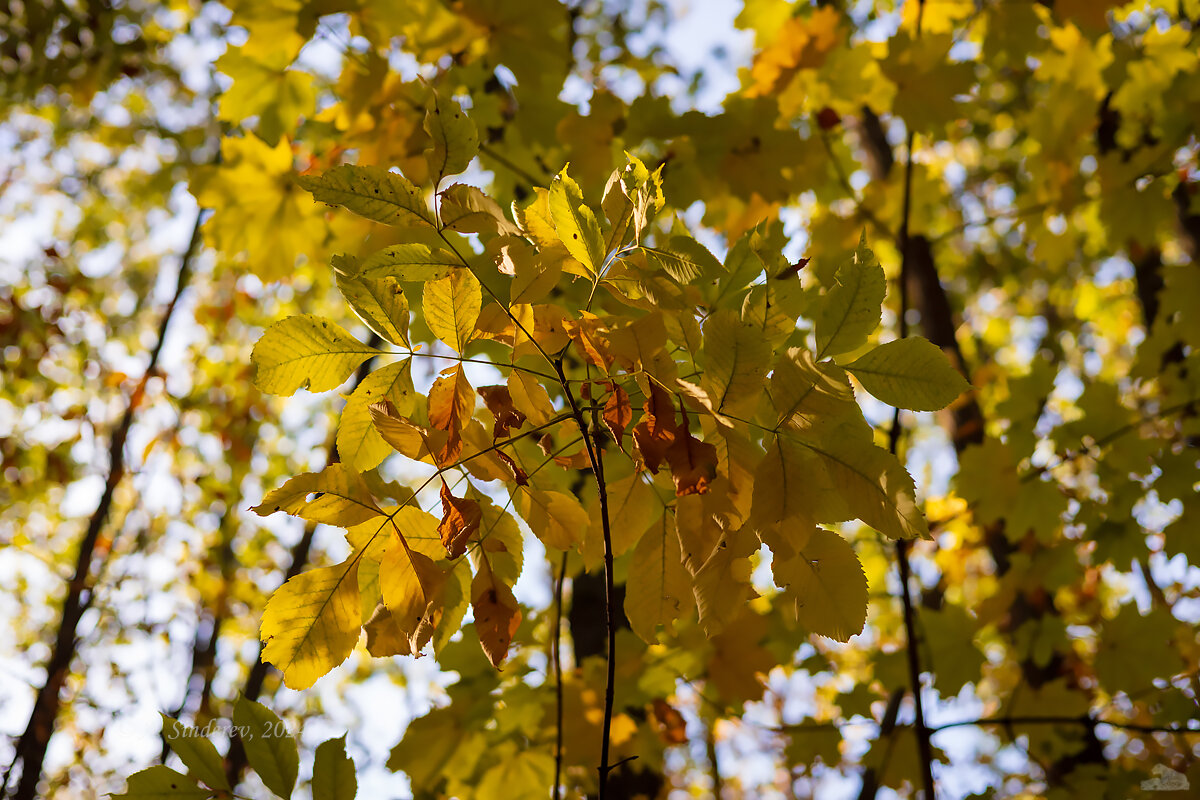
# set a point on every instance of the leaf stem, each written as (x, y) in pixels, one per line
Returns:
(592, 440)
(442, 234)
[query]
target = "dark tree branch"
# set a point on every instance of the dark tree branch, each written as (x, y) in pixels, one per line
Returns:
(556, 655)
(31, 747)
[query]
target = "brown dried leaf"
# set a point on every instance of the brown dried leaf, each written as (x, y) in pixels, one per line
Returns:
(460, 520)
(618, 413)
(693, 462)
(496, 614)
(500, 403)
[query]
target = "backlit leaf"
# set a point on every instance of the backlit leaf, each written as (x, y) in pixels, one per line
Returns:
(451, 307)
(373, 193)
(496, 614)
(341, 498)
(411, 262)
(575, 223)
(197, 753)
(306, 352)
(737, 358)
(659, 589)
(826, 583)
(455, 141)
(460, 521)
(850, 311)
(910, 373)
(358, 442)
(162, 783)
(379, 302)
(311, 623)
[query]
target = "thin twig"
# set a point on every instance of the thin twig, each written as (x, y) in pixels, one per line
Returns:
(924, 746)
(558, 686)
(30, 750)
(592, 440)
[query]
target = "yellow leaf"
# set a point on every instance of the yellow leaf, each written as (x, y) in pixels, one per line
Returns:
(530, 397)
(405, 436)
(306, 352)
(411, 262)
(556, 518)
(373, 193)
(575, 223)
(632, 508)
(826, 586)
(910, 373)
(311, 623)
(802, 42)
(412, 586)
(379, 302)
(534, 274)
(466, 209)
(257, 212)
(451, 400)
(659, 589)
(736, 359)
(358, 442)
(452, 306)
(455, 141)
(807, 393)
(870, 481)
(722, 585)
(341, 497)
(850, 310)
(264, 87)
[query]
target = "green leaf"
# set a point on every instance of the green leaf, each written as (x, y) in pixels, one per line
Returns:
(827, 586)
(341, 499)
(455, 140)
(466, 209)
(333, 772)
(373, 193)
(306, 352)
(452, 307)
(358, 443)
(379, 302)
(575, 223)
(659, 589)
(411, 262)
(684, 259)
(270, 750)
(807, 393)
(870, 481)
(522, 776)
(196, 752)
(311, 623)
(910, 373)
(850, 311)
(162, 783)
(737, 357)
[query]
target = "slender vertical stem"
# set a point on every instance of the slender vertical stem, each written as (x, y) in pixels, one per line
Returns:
(924, 746)
(593, 441)
(558, 687)
(714, 766)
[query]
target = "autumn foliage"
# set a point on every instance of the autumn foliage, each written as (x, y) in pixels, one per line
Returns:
(647, 437)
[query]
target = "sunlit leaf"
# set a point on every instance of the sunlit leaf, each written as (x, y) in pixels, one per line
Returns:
(373, 193)
(306, 352)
